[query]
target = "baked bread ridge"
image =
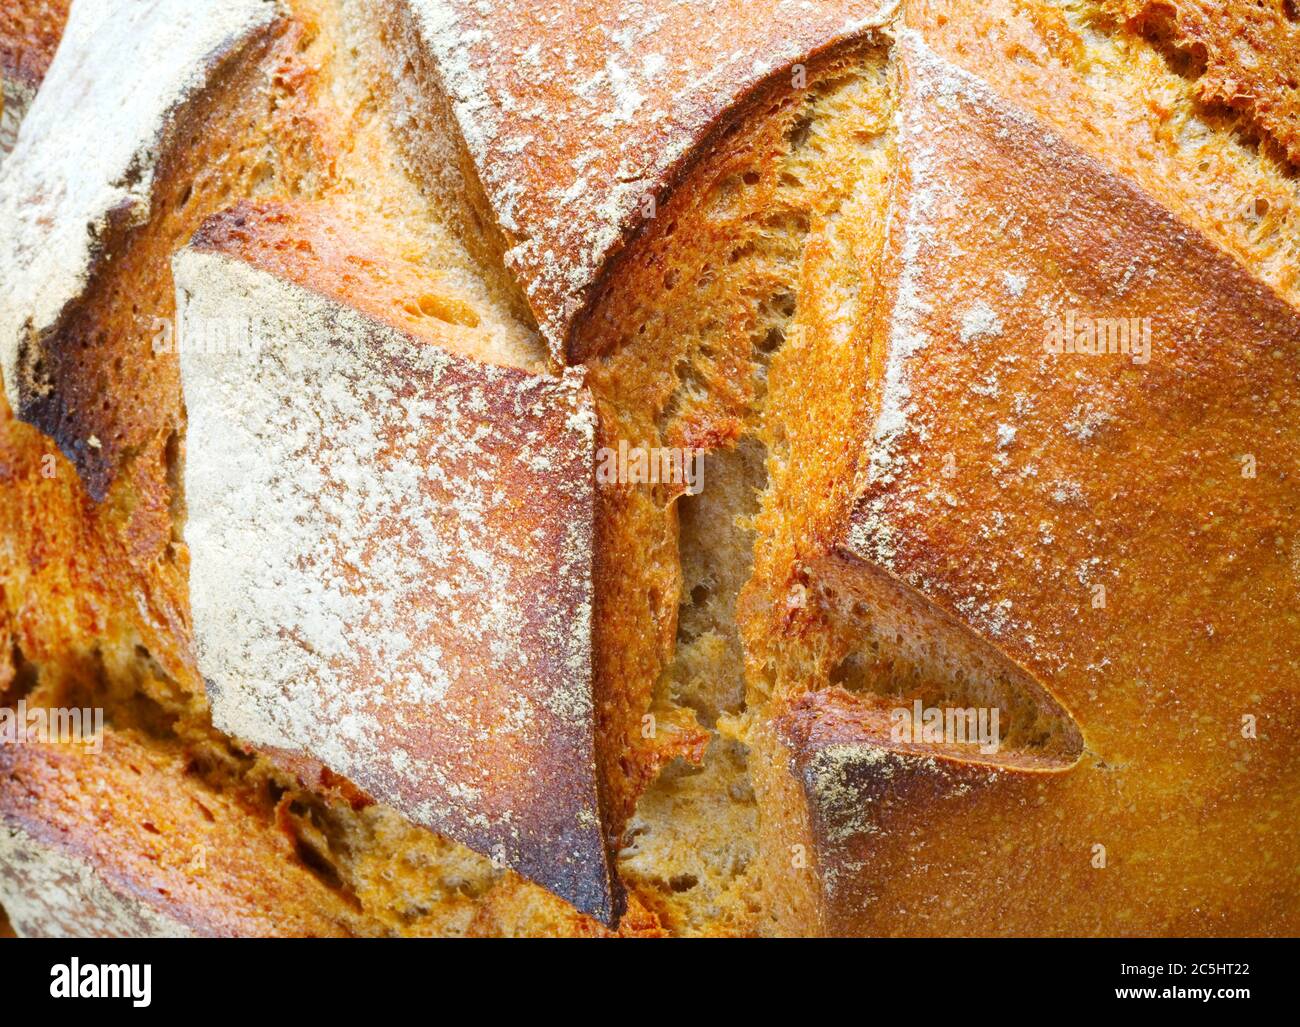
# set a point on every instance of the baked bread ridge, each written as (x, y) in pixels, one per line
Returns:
(72, 209)
(332, 448)
(680, 354)
(29, 35)
(507, 68)
(946, 319)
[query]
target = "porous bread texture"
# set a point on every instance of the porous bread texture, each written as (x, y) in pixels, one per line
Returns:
(749, 205)
(1144, 111)
(1247, 51)
(66, 205)
(130, 842)
(690, 849)
(517, 81)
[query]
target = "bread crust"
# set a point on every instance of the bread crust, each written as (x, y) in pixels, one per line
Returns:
(1002, 483)
(1250, 53)
(74, 211)
(610, 107)
(948, 484)
(29, 35)
(1136, 105)
(127, 843)
(391, 544)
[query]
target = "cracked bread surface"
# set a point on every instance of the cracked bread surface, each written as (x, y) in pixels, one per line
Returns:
(534, 79)
(737, 320)
(960, 394)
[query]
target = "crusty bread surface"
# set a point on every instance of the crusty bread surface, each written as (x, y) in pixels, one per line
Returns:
(351, 546)
(307, 371)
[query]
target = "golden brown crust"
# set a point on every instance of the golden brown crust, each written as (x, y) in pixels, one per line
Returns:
(1004, 483)
(309, 245)
(29, 35)
(865, 834)
(464, 546)
(171, 851)
(1115, 94)
(110, 396)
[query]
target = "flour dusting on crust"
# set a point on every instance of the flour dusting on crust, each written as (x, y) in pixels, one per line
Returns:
(90, 145)
(576, 116)
(391, 567)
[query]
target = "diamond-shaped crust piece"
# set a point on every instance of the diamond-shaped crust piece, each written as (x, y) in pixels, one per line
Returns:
(391, 543)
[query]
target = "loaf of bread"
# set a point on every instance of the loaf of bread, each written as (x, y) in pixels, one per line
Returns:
(964, 335)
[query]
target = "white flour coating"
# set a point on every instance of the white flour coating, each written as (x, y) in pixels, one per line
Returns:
(873, 534)
(833, 779)
(980, 321)
(849, 810)
(48, 892)
(931, 83)
(621, 115)
(391, 564)
(90, 145)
